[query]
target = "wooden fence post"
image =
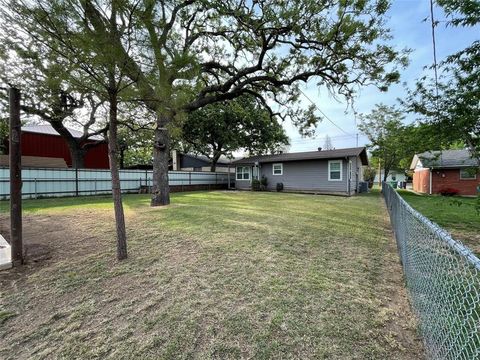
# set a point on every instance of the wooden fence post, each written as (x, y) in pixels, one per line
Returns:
(15, 157)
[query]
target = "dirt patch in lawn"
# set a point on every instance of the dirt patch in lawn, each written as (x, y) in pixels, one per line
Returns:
(288, 287)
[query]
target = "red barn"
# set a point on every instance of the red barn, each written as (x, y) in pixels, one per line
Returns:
(43, 141)
(443, 171)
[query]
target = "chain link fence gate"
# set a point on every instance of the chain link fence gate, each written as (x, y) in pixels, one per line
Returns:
(443, 281)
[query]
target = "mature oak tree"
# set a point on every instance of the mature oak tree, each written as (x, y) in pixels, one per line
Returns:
(48, 93)
(222, 128)
(186, 54)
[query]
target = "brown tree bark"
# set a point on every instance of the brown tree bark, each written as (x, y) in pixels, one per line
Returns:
(161, 156)
(77, 153)
(215, 158)
(15, 161)
(116, 189)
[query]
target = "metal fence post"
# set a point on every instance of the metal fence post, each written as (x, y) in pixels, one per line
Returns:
(95, 184)
(189, 178)
(35, 185)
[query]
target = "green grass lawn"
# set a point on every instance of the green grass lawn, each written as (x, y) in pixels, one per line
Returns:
(214, 275)
(455, 214)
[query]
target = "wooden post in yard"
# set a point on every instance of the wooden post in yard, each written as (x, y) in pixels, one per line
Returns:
(15, 162)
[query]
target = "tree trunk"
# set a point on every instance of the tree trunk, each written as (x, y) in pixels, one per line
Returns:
(116, 190)
(215, 158)
(77, 153)
(78, 156)
(161, 156)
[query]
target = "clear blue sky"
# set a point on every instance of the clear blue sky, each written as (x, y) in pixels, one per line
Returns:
(408, 30)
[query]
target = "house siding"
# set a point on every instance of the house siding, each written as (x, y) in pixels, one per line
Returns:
(306, 175)
(243, 184)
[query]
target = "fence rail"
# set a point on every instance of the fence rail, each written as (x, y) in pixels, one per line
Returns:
(71, 182)
(443, 281)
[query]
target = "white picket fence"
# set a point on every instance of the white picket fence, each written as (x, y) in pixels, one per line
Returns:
(70, 182)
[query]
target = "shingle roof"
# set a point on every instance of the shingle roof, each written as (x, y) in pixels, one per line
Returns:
(49, 130)
(444, 159)
(309, 155)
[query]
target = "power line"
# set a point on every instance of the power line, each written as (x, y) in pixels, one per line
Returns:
(320, 110)
(324, 115)
(308, 140)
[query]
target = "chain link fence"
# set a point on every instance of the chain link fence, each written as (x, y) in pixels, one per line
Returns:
(443, 281)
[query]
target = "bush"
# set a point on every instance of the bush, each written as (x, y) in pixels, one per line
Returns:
(449, 191)
(264, 181)
(279, 186)
(256, 185)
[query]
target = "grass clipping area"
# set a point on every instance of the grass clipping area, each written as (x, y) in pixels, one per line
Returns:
(215, 275)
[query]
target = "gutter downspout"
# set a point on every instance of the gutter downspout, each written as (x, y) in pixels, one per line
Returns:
(430, 182)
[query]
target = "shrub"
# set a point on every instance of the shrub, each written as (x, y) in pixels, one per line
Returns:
(449, 191)
(264, 181)
(255, 185)
(279, 186)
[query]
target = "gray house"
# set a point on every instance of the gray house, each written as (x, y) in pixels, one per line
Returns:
(324, 172)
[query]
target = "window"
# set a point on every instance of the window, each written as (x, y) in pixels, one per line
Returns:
(277, 169)
(335, 170)
(243, 173)
(468, 174)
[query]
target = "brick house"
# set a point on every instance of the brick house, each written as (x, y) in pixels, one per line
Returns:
(435, 171)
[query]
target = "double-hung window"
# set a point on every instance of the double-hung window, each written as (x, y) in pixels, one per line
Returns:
(277, 169)
(335, 170)
(243, 173)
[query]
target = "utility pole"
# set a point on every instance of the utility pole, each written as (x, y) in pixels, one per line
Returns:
(15, 162)
(357, 138)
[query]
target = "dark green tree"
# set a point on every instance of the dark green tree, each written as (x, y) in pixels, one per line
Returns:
(222, 128)
(48, 92)
(386, 133)
(187, 54)
(453, 103)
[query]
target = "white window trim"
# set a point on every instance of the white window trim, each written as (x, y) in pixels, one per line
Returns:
(341, 170)
(281, 169)
(243, 167)
(467, 178)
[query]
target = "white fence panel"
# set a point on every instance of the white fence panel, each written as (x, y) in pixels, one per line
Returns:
(71, 182)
